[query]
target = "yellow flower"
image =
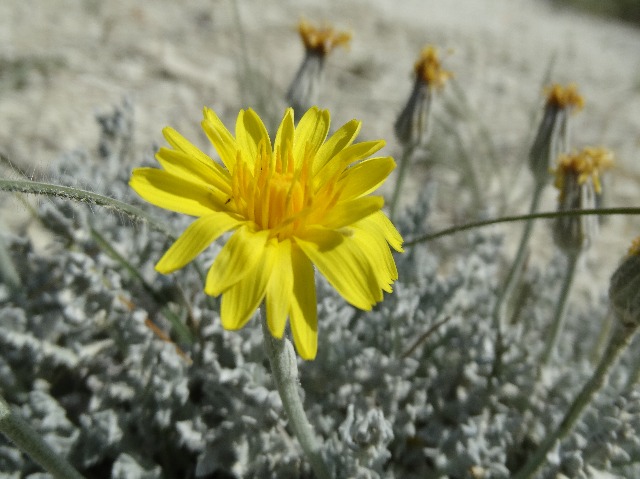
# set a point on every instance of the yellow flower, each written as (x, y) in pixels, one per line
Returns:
(429, 70)
(291, 204)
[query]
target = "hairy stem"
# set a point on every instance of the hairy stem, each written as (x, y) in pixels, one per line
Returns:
(619, 341)
(31, 442)
(284, 368)
(560, 312)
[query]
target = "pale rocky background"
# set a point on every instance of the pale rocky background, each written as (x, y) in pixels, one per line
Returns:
(61, 61)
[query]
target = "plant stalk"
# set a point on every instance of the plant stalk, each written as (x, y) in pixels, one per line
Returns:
(22, 435)
(619, 341)
(284, 368)
(561, 310)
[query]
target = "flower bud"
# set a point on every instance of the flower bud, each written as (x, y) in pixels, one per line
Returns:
(624, 288)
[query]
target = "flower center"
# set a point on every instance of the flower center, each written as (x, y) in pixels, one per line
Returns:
(275, 194)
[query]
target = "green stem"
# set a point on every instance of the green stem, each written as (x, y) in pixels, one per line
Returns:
(561, 310)
(284, 368)
(499, 309)
(31, 442)
(82, 196)
(619, 341)
(513, 218)
(402, 173)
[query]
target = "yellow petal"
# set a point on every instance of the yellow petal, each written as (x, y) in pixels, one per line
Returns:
(190, 168)
(200, 234)
(365, 177)
(238, 257)
(220, 138)
(344, 264)
(180, 143)
(280, 287)
(250, 131)
(174, 193)
(304, 308)
(383, 226)
(375, 247)
(346, 157)
(240, 302)
(284, 137)
(310, 133)
(338, 142)
(348, 212)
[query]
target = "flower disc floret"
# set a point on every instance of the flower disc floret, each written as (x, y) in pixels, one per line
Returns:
(299, 202)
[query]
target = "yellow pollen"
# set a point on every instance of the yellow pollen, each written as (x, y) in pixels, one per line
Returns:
(564, 97)
(634, 249)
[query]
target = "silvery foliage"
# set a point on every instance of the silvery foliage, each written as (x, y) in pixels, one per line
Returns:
(83, 365)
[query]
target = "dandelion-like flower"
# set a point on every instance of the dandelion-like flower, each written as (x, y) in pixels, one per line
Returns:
(577, 176)
(318, 42)
(552, 138)
(411, 127)
(293, 203)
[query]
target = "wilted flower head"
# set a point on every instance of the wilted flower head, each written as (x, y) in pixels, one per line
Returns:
(322, 40)
(293, 203)
(584, 166)
(429, 70)
(566, 98)
(411, 127)
(552, 138)
(577, 176)
(318, 42)
(624, 287)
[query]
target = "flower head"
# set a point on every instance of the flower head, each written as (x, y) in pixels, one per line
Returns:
(293, 203)
(412, 125)
(428, 68)
(322, 40)
(552, 138)
(305, 88)
(564, 97)
(584, 165)
(578, 179)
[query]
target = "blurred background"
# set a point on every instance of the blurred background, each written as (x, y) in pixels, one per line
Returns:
(64, 61)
